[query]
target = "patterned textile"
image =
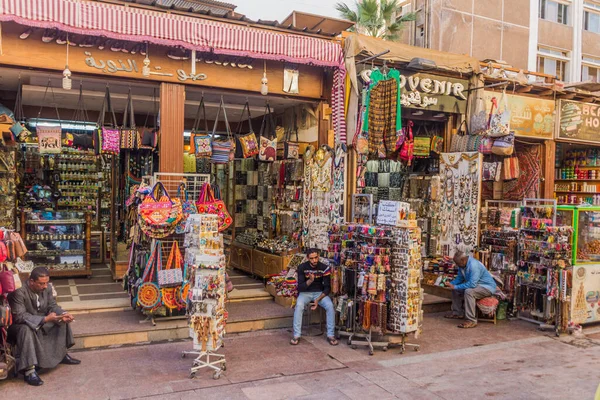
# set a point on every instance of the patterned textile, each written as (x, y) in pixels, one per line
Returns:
(382, 118)
(337, 105)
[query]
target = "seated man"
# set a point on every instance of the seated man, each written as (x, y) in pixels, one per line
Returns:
(314, 285)
(472, 283)
(40, 329)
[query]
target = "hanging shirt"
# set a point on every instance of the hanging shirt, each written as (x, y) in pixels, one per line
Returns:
(376, 77)
(473, 275)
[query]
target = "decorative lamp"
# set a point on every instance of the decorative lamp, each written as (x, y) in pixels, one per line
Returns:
(66, 82)
(264, 82)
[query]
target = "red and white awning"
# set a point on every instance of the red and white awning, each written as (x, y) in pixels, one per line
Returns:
(134, 24)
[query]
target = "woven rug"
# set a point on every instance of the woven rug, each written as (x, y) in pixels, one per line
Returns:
(528, 184)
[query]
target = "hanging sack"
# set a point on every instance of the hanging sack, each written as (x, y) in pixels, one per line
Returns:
(460, 139)
(158, 213)
(7, 280)
(81, 139)
(148, 136)
(187, 208)
(505, 145)
(404, 133)
(246, 145)
(491, 171)
(172, 275)
(200, 142)
(268, 137)
(107, 140)
(207, 204)
(407, 151)
(510, 168)
(499, 121)
(289, 150)
(49, 137)
(129, 132)
(437, 144)
(473, 142)
(479, 118)
(222, 149)
(422, 144)
(18, 129)
(485, 145)
(148, 292)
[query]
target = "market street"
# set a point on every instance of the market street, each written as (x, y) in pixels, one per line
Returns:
(511, 360)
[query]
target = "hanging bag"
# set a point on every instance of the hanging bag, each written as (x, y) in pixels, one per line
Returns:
(207, 204)
(222, 149)
(479, 118)
(510, 168)
(128, 131)
(7, 280)
(187, 208)
(49, 137)
(18, 129)
(407, 151)
(422, 146)
(246, 145)
(107, 140)
(148, 293)
(200, 142)
(82, 140)
(148, 136)
(290, 150)
(158, 213)
(268, 137)
(172, 275)
(499, 122)
(505, 145)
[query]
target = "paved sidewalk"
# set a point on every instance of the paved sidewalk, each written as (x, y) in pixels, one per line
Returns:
(508, 361)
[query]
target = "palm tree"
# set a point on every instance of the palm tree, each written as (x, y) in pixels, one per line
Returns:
(376, 18)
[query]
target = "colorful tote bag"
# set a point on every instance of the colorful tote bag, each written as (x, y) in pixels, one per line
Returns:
(172, 275)
(129, 133)
(107, 140)
(222, 148)
(268, 137)
(207, 204)
(289, 150)
(505, 145)
(246, 144)
(200, 142)
(49, 139)
(158, 213)
(499, 122)
(479, 119)
(407, 151)
(188, 207)
(148, 292)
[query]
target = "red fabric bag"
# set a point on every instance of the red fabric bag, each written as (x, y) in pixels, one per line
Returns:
(7, 280)
(207, 204)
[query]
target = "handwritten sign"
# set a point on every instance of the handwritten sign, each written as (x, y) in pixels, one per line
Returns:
(391, 212)
(431, 92)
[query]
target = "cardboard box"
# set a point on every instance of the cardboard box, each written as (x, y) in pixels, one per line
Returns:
(287, 302)
(271, 290)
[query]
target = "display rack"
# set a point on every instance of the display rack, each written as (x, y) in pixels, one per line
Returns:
(362, 208)
(8, 189)
(206, 299)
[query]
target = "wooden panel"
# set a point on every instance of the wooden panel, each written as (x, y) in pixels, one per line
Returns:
(33, 53)
(172, 103)
(548, 159)
(258, 264)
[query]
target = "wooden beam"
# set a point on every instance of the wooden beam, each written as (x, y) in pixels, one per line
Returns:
(524, 89)
(567, 96)
(172, 106)
(548, 92)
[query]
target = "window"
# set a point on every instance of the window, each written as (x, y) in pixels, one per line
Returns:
(590, 70)
(554, 11)
(553, 62)
(591, 17)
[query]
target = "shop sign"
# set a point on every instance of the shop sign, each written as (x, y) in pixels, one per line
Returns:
(391, 212)
(432, 92)
(579, 122)
(529, 117)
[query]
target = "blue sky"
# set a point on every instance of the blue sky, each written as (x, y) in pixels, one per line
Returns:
(279, 9)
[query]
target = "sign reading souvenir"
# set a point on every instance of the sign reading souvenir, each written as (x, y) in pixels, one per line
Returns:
(579, 122)
(49, 139)
(529, 117)
(391, 212)
(433, 92)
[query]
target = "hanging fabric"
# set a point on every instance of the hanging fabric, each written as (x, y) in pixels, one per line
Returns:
(222, 149)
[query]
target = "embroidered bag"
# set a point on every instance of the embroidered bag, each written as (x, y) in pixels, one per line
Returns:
(268, 137)
(404, 132)
(437, 144)
(187, 208)
(128, 131)
(473, 142)
(510, 168)
(222, 149)
(200, 143)
(172, 275)
(158, 218)
(505, 145)
(459, 140)
(361, 141)
(407, 151)
(491, 171)
(479, 118)
(246, 145)
(499, 122)
(148, 292)
(207, 204)
(485, 145)
(288, 149)
(107, 140)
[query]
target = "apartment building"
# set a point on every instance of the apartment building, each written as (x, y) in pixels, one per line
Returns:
(556, 37)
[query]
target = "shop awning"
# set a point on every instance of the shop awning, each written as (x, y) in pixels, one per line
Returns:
(134, 24)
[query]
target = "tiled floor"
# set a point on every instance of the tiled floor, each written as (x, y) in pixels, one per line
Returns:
(100, 286)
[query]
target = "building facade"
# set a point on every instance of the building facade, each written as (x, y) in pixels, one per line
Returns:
(554, 37)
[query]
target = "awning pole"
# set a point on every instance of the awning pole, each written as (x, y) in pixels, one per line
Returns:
(372, 57)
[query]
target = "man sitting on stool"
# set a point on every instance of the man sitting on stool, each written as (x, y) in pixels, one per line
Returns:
(41, 330)
(314, 285)
(472, 283)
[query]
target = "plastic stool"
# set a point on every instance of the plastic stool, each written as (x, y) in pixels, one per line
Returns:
(306, 321)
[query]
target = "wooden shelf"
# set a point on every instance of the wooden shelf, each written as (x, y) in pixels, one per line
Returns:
(577, 180)
(569, 191)
(55, 222)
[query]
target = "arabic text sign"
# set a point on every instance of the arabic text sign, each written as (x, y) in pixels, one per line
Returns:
(110, 65)
(391, 212)
(431, 92)
(579, 121)
(528, 116)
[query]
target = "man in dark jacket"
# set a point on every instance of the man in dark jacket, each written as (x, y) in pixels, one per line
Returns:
(40, 329)
(314, 285)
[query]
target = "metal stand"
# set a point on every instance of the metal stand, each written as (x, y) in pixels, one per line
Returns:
(203, 360)
(403, 345)
(368, 341)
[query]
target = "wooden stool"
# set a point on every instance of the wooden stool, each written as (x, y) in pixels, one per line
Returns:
(490, 305)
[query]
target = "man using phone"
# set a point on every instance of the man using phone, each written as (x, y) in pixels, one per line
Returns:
(314, 285)
(40, 328)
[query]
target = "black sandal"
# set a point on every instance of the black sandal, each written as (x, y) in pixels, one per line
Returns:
(332, 341)
(294, 341)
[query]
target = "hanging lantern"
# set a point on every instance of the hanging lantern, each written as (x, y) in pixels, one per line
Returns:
(264, 87)
(66, 82)
(146, 67)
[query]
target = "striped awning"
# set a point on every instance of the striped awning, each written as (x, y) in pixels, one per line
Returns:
(139, 25)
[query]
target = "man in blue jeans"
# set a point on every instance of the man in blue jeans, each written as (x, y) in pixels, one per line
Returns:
(314, 285)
